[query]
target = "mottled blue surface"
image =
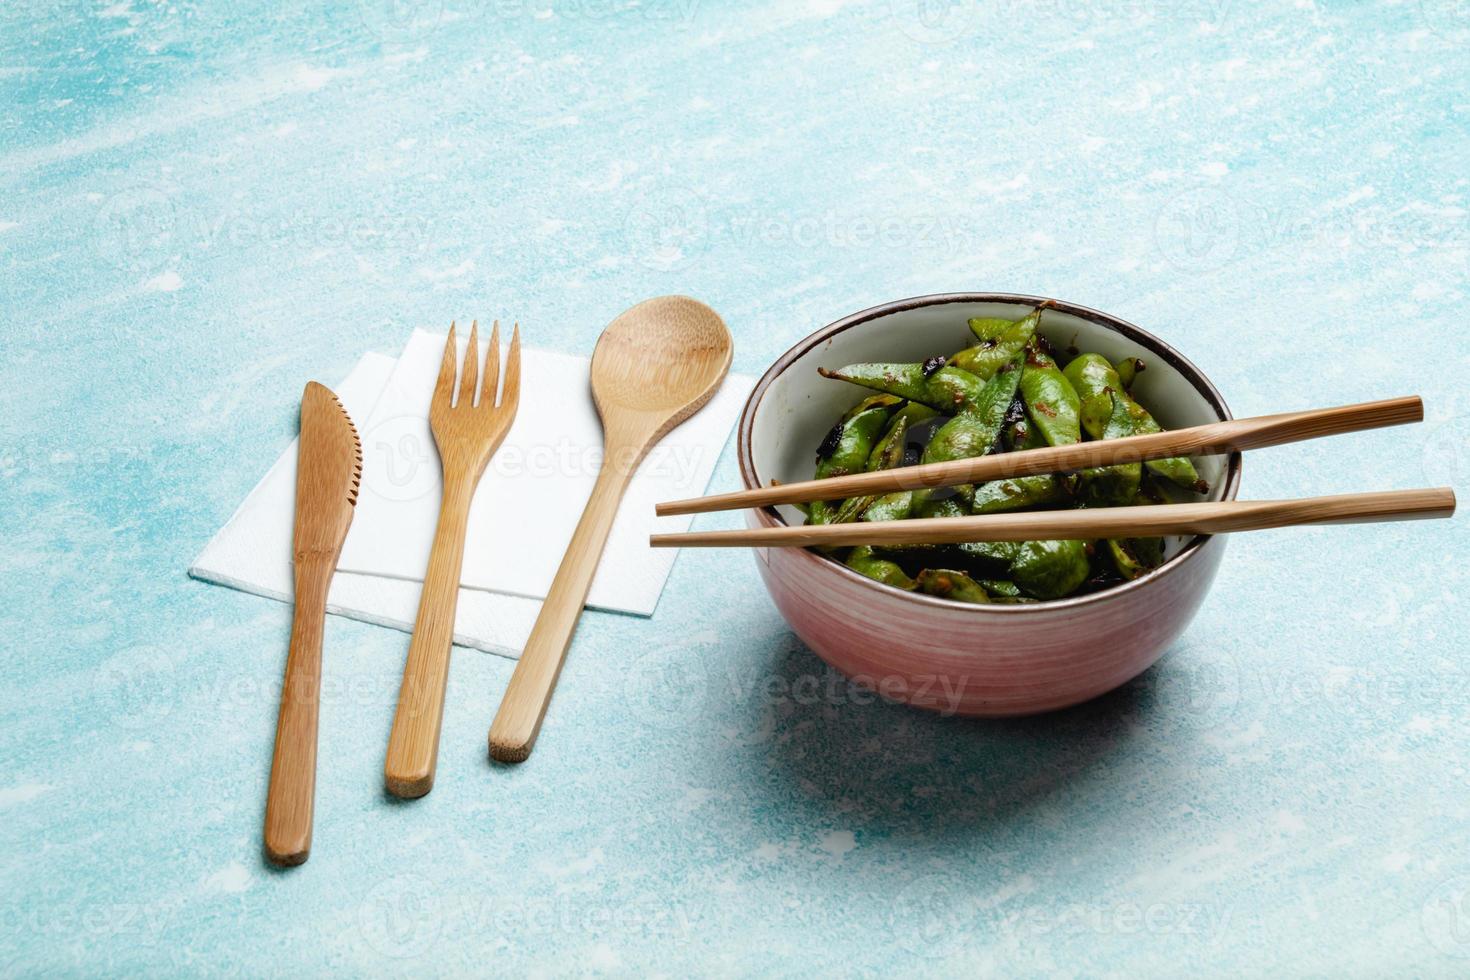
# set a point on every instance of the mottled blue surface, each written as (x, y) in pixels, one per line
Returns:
(203, 205)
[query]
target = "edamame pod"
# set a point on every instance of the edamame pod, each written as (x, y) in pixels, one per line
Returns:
(1003, 590)
(1128, 369)
(1050, 569)
(975, 430)
(1000, 496)
(932, 382)
(846, 450)
(1094, 380)
(889, 453)
(1135, 556)
(992, 554)
(873, 401)
(1051, 402)
(1000, 342)
(864, 561)
(948, 584)
(1104, 486)
(890, 507)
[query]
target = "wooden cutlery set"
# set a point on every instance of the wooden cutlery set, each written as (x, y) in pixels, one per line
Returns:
(654, 366)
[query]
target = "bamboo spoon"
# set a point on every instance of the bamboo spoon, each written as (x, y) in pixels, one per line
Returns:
(1215, 437)
(1151, 521)
(467, 434)
(654, 366)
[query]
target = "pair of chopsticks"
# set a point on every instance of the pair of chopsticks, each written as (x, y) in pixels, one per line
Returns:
(1147, 521)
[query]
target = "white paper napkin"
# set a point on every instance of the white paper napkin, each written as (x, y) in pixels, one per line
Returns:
(531, 496)
(253, 551)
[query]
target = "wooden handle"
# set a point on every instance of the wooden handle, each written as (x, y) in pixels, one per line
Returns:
(413, 745)
(1157, 520)
(292, 795)
(513, 733)
(1215, 437)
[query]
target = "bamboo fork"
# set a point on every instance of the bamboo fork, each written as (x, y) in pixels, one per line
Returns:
(467, 435)
(1150, 521)
(1200, 440)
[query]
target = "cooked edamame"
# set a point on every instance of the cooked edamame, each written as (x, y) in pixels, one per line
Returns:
(1005, 393)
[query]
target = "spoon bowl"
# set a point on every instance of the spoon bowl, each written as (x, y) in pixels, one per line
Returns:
(664, 357)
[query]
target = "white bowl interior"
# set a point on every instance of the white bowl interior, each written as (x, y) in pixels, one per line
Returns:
(800, 406)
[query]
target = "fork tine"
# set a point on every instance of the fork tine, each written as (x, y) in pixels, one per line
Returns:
(444, 387)
(511, 396)
(469, 375)
(492, 368)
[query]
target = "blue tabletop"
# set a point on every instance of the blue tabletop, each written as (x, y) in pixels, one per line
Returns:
(205, 204)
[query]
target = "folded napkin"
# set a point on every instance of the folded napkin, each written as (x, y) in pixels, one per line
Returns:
(524, 511)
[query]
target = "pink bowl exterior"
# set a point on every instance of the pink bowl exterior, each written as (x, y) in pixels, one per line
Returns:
(983, 661)
(992, 663)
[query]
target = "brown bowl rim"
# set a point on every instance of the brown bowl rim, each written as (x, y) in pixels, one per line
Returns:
(1133, 332)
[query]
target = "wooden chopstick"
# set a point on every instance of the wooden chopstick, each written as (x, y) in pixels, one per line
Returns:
(1200, 440)
(1157, 520)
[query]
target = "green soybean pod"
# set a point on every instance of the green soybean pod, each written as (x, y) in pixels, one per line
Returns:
(949, 584)
(865, 561)
(1095, 381)
(886, 455)
(1107, 486)
(1050, 569)
(846, 450)
(934, 383)
(1051, 402)
(1000, 342)
(1018, 493)
(1128, 368)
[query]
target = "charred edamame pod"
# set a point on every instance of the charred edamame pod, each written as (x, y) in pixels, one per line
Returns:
(934, 383)
(1051, 401)
(1050, 569)
(863, 560)
(1095, 380)
(889, 453)
(1128, 368)
(949, 584)
(846, 450)
(1000, 342)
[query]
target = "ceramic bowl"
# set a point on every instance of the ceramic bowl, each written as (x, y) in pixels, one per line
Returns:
(992, 660)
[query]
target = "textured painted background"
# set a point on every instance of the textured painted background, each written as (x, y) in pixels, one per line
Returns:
(203, 205)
